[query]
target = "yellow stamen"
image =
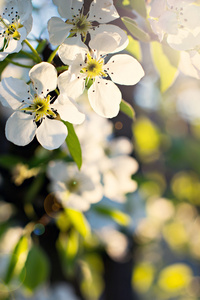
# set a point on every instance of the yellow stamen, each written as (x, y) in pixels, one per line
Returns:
(40, 108)
(94, 67)
(80, 25)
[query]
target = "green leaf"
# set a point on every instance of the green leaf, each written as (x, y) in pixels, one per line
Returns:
(9, 161)
(127, 109)
(163, 64)
(118, 216)
(134, 48)
(79, 221)
(72, 244)
(139, 6)
(135, 30)
(36, 268)
(20, 248)
(73, 144)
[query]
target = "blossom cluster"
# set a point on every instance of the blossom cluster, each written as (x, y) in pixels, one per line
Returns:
(177, 23)
(38, 112)
(83, 92)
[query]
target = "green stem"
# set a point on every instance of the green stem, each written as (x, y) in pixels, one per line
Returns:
(51, 57)
(62, 68)
(31, 56)
(33, 50)
(17, 64)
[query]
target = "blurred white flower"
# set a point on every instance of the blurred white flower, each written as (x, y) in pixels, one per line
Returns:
(116, 243)
(104, 96)
(178, 20)
(117, 177)
(73, 188)
(15, 24)
(35, 114)
(188, 105)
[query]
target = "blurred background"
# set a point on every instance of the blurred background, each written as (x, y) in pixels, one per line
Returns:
(144, 247)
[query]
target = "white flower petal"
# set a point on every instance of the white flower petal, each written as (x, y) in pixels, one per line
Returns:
(195, 60)
(184, 40)
(24, 9)
(71, 85)
(68, 8)
(157, 8)
(117, 33)
(3, 55)
(124, 69)
(190, 17)
(58, 171)
(72, 47)
(168, 22)
(102, 11)
(51, 134)
(103, 43)
(13, 91)
(186, 66)
(44, 78)
(77, 202)
(104, 97)
(68, 110)
(20, 128)
(58, 30)
(28, 24)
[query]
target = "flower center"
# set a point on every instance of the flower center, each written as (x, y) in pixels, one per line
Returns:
(40, 108)
(10, 31)
(72, 185)
(94, 67)
(80, 25)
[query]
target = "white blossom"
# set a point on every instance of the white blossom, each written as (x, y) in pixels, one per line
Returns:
(178, 21)
(110, 155)
(36, 113)
(73, 188)
(15, 24)
(117, 177)
(104, 96)
(78, 25)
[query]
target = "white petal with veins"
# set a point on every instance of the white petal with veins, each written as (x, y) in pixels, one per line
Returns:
(20, 128)
(68, 110)
(51, 134)
(104, 97)
(102, 11)
(70, 84)
(58, 30)
(13, 91)
(72, 47)
(44, 78)
(124, 69)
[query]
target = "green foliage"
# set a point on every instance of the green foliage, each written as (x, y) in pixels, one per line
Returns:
(127, 109)
(8, 161)
(134, 48)
(166, 61)
(139, 6)
(73, 144)
(36, 268)
(135, 30)
(79, 221)
(118, 216)
(20, 248)
(41, 46)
